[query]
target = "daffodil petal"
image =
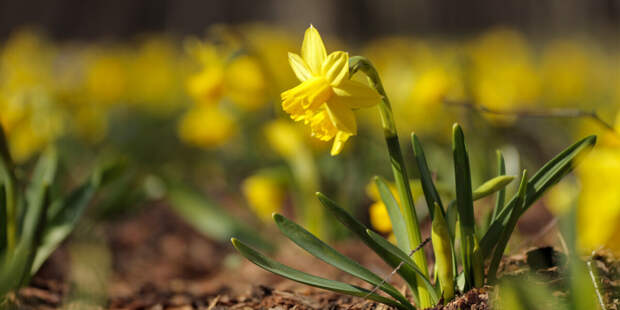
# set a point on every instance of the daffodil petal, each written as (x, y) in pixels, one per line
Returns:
(299, 67)
(342, 117)
(339, 140)
(336, 67)
(313, 50)
(355, 94)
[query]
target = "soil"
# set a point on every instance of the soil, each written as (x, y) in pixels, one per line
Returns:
(159, 262)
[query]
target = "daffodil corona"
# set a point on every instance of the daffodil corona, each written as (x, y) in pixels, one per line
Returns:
(326, 97)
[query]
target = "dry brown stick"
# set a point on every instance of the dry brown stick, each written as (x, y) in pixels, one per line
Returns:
(389, 276)
(550, 113)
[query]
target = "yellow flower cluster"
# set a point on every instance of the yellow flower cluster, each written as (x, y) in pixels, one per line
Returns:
(229, 83)
(48, 90)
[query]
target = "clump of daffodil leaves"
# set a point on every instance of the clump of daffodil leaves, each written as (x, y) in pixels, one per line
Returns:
(35, 217)
(325, 100)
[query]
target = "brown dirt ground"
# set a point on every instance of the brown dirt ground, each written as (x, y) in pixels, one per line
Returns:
(159, 262)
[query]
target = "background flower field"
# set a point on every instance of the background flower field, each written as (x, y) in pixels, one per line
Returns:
(192, 116)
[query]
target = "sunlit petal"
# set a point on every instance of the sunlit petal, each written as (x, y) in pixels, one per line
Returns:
(355, 95)
(336, 67)
(339, 140)
(342, 117)
(299, 67)
(313, 50)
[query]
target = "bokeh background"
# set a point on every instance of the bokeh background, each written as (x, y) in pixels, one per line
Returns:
(187, 95)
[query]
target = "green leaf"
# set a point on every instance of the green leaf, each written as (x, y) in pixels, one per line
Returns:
(551, 173)
(64, 214)
(509, 228)
(501, 195)
(324, 252)
(11, 197)
(4, 148)
(403, 257)
(464, 202)
(209, 218)
(42, 178)
(395, 214)
(491, 186)
(3, 219)
(428, 186)
(406, 272)
(308, 279)
(61, 225)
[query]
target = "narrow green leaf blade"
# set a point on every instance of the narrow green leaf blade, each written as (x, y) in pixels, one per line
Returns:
(324, 252)
(509, 228)
(408, 274)
(395, 214)
(403, 257)
(43, 176)
(64, 214)
(491, 186)
(551, 173)
(428, 186)
(501, 194)
(464, 202)
(308, 279)
(3, 219)
(209, 218)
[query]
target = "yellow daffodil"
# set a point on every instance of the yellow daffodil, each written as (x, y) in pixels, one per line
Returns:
(284, 138)
(206, 127)
(326, 97)
(264, 194)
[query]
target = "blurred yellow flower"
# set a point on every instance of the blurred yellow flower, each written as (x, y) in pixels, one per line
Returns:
(28, 112)
(379, 217)
(245, 83)
(239, 78)
(599, 202)
(206, 86)
(284, 138)
(206, 127)
(106, 75)
(264, 195)
(326, 97)
(156, 73)
(503, 74)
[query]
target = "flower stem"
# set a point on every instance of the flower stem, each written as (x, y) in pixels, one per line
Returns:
(401, 178)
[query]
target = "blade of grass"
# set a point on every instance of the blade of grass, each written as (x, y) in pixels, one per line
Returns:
(464, 202)
(551, 173)
(406, 272)
(324, 252)
(395, 214)
(508, 229)
(308, 279)
(428, 186)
